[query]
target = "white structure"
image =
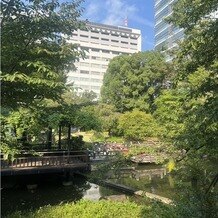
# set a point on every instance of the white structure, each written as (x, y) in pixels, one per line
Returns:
(101, 43)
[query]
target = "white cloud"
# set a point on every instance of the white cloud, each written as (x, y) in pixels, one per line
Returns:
(117, 10)
(93, 11)
(113, 12)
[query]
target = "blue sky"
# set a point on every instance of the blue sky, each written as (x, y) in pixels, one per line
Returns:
(140, 15)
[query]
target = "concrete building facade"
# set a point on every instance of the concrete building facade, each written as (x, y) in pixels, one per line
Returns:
(101, 43)
(166, 35)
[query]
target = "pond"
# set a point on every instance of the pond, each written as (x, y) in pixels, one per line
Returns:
(150, 178)
(51, 191)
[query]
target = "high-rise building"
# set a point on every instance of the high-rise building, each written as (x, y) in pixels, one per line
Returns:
(101, 43)
(166, 35)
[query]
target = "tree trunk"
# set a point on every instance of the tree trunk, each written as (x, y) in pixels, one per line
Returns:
(69, 136)
(59, 137)
(49, 138)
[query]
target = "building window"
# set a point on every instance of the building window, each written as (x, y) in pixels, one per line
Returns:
(106, 51)
(95, 49)
(84, 79)
(85, 48)
(104, 33)
(95, 58)
(95, 73)
(115, 52)
(84, 36)
(96, 65)
(93, 37)
(84, 71)
(84, 64)
(95, 80)
(104, 39)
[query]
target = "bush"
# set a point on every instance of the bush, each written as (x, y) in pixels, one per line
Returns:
(86, 209)
(137, 125)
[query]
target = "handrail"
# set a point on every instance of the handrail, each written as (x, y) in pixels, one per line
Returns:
(39, 161)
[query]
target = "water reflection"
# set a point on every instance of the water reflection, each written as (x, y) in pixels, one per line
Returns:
(93, 193)
(150, 178)
(50, 191)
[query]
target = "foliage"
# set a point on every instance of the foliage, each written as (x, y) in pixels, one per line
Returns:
(87, 209)
(199, 47)
(135, 81)
(76, 143)
(137, 125)
(87, 119)
(35, 59)
(196, 204)
(169, 109)
(197, 62)
(108, 116)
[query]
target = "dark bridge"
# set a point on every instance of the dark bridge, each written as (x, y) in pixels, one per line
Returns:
(46, 162)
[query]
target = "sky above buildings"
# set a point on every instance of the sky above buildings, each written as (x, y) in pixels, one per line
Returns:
(139, 13)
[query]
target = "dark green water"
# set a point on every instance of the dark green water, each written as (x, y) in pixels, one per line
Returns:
(50, 191)
(151, 178)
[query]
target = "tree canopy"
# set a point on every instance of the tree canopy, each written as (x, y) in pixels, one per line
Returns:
(36, 53)
(135, 81)
(197, 64)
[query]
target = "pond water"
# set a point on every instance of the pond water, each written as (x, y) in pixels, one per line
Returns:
(150, 178)
(50, 190)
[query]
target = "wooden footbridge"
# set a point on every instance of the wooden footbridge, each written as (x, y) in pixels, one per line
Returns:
(46, 162)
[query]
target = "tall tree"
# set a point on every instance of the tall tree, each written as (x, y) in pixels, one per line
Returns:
(36, 53)
(197, 63)
(135, 81)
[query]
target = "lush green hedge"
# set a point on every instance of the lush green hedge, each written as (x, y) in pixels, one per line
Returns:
(100, 209)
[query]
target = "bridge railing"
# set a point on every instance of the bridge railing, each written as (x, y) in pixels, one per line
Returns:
(42, 161)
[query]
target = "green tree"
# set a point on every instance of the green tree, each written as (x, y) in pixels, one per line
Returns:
(36, 53)
(87, 119)
(169, 110)
(137, 125)
(197, 63)
(135, 81)
(108, 116)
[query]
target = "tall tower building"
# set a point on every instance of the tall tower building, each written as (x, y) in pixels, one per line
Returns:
(166, 35)
(101, 43)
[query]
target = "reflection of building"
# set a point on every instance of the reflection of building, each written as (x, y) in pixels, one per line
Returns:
(101, 43)
(166, 35)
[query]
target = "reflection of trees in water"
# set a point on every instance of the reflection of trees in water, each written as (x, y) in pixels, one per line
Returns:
(154, 185)
(52, 193)
(106, 191)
